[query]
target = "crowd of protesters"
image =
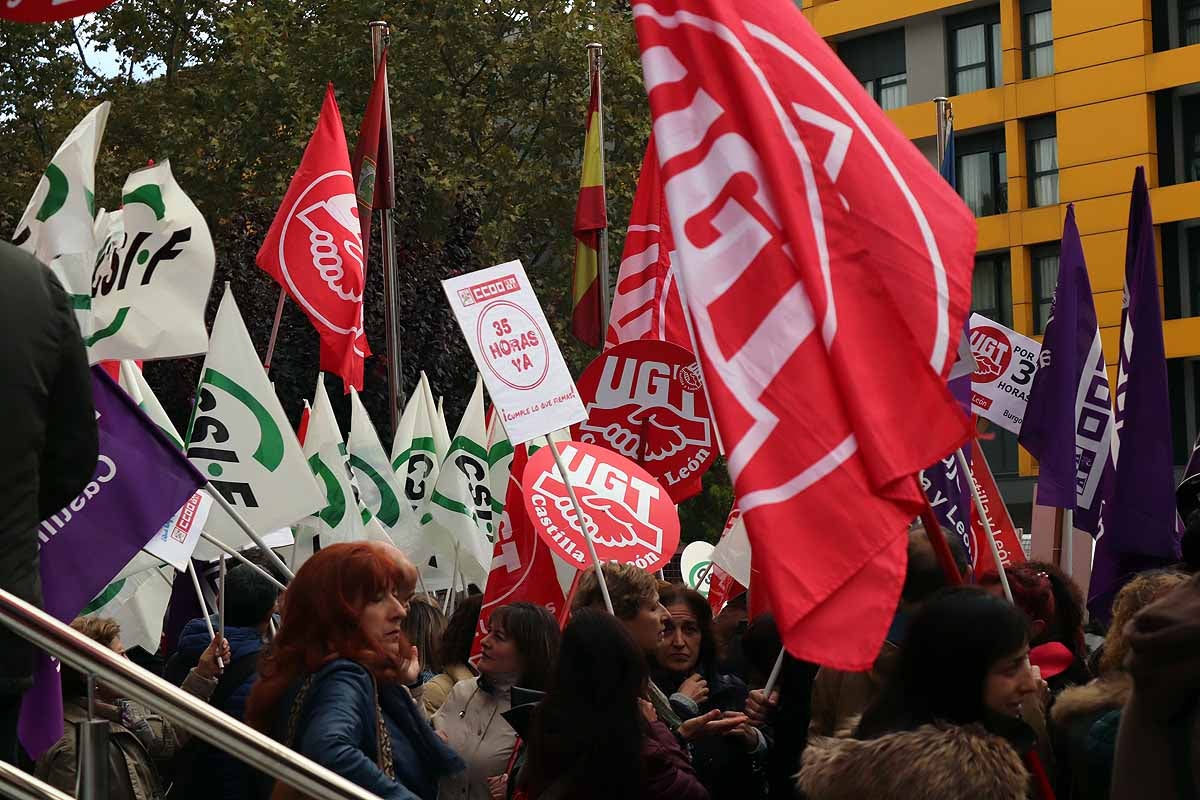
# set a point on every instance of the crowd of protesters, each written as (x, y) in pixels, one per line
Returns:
(970, 696)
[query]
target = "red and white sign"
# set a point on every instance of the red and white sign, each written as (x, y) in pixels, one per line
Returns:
(515, 350)
(1007, 540)
(314, 247)
(178, 537)
(522, 564)
(1005, 363)
(823, 262)
(629, 516)
(645, 400)
(48, 10)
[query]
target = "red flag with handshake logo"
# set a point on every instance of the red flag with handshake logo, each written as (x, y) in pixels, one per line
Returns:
(314, 248)
(827, 270)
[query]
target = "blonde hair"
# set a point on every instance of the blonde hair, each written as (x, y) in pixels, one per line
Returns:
(1140, 592)
(628, 586)
(101, 630)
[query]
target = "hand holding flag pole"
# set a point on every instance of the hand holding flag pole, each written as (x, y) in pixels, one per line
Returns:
(212, 634)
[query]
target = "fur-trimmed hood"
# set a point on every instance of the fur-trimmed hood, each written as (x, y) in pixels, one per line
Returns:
(931, 763)
(1101, 695)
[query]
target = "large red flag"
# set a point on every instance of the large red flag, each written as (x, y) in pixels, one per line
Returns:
(314, 248)
(591, 217)
(48, 10)
(522, 564)
(646, 302)
(827, 270)
(371, 163)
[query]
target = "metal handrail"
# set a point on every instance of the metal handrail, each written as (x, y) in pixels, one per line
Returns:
(22, 786)
(190, 713)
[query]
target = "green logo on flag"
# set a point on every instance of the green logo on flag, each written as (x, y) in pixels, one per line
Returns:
(104, 598)
(56, 197)
(389, 505)
(333, 513)
(269, 452)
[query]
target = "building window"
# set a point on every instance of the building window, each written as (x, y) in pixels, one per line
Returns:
(1183, 389)
(1189, 110)
(1189, 22)
(1181, 269)
(975, 62)
(1044, 262)
(991, 288)
(877, 61)
(1041, 142)
(982, 172)
(1039, 38)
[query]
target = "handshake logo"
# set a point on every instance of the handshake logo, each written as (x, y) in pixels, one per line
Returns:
(622, 527)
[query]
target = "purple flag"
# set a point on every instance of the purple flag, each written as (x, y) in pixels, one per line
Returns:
(1139, 530)
(949, 495)
(141, 480)
(1068, 425)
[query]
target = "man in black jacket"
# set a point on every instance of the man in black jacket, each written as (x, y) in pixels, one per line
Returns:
(48, 444)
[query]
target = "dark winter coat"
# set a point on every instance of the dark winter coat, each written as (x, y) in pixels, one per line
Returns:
(1158, 747)
(233, 775)
(669, 773)
(337, 728)
(929, 763)
(49, 449)
(721, 762)
(1084, 736)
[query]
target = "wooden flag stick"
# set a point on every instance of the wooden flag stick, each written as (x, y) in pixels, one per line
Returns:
(583, 528)
(987, 524)
(774, 678)
(274, 331)
(937, 539)
(221, 599)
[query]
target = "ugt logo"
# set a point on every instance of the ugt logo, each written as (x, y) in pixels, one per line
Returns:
(209, 435)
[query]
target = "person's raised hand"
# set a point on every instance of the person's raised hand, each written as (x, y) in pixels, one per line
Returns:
(759, 707)
(696, 688)
(647, 710)
(714, 723)
(208, 666)
(410, 669)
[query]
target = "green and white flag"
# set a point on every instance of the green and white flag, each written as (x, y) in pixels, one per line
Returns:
(153, 272)
(460, 510)
(340, 519)
(134, 384)
(380, 490)
(57, 224)
(416, 458)
(500, 456)
(138, 603)
(240, 438)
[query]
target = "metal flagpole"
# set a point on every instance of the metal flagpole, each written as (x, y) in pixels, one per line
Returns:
(987, 523)
(221, 599)
(274, 330)
(596, 70)
(943, 111)
(276, 562)
(203, 607)
(229, 551)
(1068, 545)
(380, 36)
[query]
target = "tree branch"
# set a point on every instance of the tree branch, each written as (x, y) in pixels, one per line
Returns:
(82, 57)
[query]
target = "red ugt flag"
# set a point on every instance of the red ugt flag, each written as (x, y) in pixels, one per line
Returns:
(646, 302)
(522, 564)
(314, 248)
(827, 269)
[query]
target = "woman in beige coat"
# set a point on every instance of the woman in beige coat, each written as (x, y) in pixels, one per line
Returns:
(519, 650)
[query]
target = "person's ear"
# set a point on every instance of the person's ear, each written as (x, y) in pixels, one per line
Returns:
(1036, 629)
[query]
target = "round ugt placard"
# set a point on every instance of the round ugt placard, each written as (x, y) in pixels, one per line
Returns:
(628, 514)
(645, 401)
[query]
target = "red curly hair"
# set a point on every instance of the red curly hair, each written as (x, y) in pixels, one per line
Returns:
(321, 611)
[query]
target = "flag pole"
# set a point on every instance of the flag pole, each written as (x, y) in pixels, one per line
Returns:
(583, 528)
(221, 598)
(203, 607)
(943, 110)
(987, 524)
(276, 562)
(1068, 546)
(596, 70)
(380, 35)
(229, 551)
(274, 330)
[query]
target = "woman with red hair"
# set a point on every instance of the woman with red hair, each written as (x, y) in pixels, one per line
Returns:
(333, 686)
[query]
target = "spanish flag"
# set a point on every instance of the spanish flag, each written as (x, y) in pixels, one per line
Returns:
(590, 219)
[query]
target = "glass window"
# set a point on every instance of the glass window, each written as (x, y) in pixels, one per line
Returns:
(975, 54)
(1044, 260)
(982, 172)
(1189, 22)
(1039, 44)
(1041, 141)
(991, 288)
(878, 63)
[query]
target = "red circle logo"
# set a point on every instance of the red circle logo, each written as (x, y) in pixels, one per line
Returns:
(628, 515)
(645, 400)
(992, 351)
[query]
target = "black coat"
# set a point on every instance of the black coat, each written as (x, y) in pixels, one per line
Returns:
(49, 448)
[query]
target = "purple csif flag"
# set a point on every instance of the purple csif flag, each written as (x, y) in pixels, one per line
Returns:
(141, 480)
(1068, 425)
(1139, 530)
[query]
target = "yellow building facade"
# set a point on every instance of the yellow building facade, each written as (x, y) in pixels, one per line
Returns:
(1112, 82)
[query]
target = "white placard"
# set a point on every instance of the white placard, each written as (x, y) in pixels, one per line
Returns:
(696, 565)
(1006, 362)
(177, 539)
(515, 349)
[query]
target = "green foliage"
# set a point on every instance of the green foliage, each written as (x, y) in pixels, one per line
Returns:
(488, 104)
